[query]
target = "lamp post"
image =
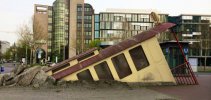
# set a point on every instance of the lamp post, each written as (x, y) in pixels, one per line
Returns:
(26, 55)
(14, 54)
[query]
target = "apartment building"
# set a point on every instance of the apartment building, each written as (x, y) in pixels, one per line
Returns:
(115, 25)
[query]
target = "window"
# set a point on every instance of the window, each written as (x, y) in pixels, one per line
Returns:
(87, 25)
(107, 25)
(128, 17)
(117, 25)
(97, 18)
(79, 9)
(49, 28)
(85, 75)
(146, 19)
(134, 17)
(143, 28)
(139, 58)
(97, 35)
(97, 26)
(102, 25)
(187, 17)
(111, 17)
(79, 17)
(87, 9)
(88, 17)
(79, 25)
(121, 66)
(103, 71)
(137, 27)
(134, 33)
(105, 17)
(49, 20)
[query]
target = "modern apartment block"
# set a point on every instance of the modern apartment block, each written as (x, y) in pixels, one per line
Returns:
(115, 25)
(69, 25)
(195, 29)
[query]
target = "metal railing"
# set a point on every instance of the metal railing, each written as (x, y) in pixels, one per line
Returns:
(184, 75)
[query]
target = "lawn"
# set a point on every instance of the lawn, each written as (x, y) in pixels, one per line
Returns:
(207, 69)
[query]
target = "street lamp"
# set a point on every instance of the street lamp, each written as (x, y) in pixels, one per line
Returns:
(14, 52)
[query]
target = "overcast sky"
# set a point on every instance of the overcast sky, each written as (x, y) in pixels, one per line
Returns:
(13, 13)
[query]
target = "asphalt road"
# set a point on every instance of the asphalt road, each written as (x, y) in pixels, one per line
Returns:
(190, 92)
(8, 67)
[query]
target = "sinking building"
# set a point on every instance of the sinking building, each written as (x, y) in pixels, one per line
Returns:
(138, 59)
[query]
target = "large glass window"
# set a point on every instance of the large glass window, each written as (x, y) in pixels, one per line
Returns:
(143, 18)
(97, 34)
(97, 18)
(117, 25)
(97, 26)
(108, 25)
(105, 17)
(102, 25)
(111, 17)
(137, 27)
(121, 66)
(103, 71)
(128, 17)
(49, 28)
(134, 18)
(139, 58)
(134, 33)
(187, 17)
(143, 28)
(49, 20)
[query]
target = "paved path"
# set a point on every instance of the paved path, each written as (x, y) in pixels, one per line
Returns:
(190, 92)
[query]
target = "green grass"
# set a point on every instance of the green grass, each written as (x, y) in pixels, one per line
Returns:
(207, 69)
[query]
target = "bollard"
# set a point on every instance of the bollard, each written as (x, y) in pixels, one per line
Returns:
(2, 68)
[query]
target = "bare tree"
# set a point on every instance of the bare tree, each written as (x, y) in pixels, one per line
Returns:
(33, 36)
(203, 44)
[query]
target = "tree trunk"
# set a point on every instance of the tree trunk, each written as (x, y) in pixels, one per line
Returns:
(34, 58)
(31, 56)
(205, 60)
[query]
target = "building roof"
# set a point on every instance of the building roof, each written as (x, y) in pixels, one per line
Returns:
(55, 67)
(109, 51)
(131, 11)
(195, 15)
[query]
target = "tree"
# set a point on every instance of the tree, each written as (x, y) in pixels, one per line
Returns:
(7, 55)
(95, 43)
(32, 36)
(204, 43)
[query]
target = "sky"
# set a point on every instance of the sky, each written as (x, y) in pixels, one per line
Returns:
(13, 13)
